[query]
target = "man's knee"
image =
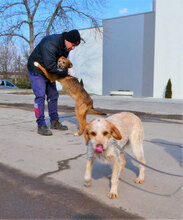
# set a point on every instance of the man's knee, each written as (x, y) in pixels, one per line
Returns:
(52, 94)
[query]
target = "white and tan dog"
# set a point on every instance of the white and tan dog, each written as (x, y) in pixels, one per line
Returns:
(99, 135)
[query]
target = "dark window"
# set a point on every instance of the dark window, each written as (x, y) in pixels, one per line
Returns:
(1, 83)
(9, 84)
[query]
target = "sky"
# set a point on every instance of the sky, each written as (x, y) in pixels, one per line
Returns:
(117, 8)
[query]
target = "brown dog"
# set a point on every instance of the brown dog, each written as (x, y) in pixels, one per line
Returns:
(71, 85)
(101, 134)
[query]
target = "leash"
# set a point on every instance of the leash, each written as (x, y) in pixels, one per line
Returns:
(145, 165)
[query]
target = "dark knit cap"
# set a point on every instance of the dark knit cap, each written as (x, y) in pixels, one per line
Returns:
(73, 37)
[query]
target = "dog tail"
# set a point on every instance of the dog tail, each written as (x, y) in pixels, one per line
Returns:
(95, 112)
(36, 64)
(44, 71)
(41, 68)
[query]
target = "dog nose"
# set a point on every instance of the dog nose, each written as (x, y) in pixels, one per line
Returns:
(99, 148)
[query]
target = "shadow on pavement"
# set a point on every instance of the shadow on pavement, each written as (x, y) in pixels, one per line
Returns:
(23, 196)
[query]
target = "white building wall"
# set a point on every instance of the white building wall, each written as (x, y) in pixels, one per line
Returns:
(125, 51)
(137, 52)
(168, 61)
(87, 60)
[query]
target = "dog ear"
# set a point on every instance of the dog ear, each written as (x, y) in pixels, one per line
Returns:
(115, 132)
(70, 65)
(86, 134)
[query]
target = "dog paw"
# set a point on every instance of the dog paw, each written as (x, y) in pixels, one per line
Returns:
(112, 195)
(87, 183)
(78, 134)
(139, 180)
(109, 176)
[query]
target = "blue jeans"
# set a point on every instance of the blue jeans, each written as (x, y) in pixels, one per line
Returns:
(41, 86)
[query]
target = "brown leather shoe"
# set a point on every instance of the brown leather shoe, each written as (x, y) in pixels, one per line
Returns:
(58, 126)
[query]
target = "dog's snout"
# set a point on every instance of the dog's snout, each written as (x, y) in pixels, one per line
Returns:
(99, 148)
(99, 145)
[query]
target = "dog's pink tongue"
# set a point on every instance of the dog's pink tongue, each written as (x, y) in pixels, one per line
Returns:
(99, 148)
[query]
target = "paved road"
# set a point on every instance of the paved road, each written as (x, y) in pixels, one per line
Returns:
(35, 167)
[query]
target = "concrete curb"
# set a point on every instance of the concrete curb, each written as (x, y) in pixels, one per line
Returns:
(65, 108)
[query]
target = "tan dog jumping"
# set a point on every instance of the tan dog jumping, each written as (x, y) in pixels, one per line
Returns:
(99, 134)
(71, 85)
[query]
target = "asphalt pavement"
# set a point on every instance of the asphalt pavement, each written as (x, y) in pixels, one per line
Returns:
(61, 158)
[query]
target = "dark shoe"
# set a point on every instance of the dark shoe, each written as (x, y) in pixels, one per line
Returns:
(58, 126)
(44, 130)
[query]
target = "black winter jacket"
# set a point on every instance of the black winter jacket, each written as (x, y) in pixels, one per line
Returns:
(47, 53)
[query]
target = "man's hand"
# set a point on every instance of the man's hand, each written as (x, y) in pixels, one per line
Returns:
(72, 72)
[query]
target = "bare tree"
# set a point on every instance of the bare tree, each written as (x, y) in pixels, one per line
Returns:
(30, 19)
(10, 59)
(7, 54)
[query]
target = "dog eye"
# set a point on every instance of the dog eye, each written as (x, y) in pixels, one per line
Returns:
(93, 133)
(105, 133)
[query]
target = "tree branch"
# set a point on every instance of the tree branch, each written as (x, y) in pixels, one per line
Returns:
(15, 27)
(15, 35)
(4, 8)
(84, 14)
(53, 16)
(35, 9)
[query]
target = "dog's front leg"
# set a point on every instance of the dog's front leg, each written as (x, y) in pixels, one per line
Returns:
(88, 172)
(113, 194)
